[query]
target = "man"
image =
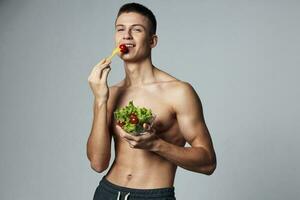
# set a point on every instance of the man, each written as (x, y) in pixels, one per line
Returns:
(145, 166)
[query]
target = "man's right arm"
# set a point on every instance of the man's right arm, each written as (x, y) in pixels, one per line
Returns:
(99, 141)
(98, 144)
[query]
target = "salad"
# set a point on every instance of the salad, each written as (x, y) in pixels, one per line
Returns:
(131, 118)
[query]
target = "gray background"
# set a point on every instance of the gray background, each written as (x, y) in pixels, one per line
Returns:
(242, 57)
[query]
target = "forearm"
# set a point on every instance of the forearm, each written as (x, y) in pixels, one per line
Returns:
(99, 141)
(195, 159)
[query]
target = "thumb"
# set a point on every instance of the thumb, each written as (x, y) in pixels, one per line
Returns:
(146, 126)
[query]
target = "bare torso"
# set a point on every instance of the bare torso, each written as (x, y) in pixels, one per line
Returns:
(137, 168)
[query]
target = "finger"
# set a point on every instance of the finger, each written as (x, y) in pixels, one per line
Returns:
(97, 69)
(107, 62)
(130, 137)
(126, 140)
(102, 67)
(145, 136)
(103, 63)
(120, 130)
(123, 134)
(132, 144)
(147, 126)
(104, 74)
(93, 72)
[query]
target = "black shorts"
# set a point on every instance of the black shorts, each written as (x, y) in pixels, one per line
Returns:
(109, 191)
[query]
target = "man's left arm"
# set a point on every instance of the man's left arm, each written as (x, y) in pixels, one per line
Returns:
(200, 157)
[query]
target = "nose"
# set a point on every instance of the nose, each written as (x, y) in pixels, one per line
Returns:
(127, 35)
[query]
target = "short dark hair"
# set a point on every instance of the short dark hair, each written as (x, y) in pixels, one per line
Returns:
(143, 10)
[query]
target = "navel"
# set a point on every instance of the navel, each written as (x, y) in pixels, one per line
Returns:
(129, 177)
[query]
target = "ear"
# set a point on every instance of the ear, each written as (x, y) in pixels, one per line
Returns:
(153, 41)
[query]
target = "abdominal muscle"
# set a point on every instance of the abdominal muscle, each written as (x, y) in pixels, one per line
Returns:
(140, 169)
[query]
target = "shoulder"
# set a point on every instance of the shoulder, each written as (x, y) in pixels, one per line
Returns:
(184, 91)
(183, 95)
(182, 88)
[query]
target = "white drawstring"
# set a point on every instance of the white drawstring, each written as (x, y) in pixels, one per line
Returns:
(119, 195)
(127, 195)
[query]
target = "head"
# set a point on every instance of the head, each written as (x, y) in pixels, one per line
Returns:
(135, 24)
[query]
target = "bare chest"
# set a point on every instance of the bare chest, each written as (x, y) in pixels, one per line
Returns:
(155, 99)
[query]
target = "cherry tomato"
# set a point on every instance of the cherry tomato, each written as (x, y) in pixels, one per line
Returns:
(132, 115)
(123, 48)
(133, 120)
(121, 124)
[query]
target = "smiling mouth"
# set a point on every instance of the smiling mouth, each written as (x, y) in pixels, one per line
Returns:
(129, 45)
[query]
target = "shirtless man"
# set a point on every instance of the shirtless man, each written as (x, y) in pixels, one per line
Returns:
(145, 166)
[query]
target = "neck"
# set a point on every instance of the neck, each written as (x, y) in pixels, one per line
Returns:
(139, 73)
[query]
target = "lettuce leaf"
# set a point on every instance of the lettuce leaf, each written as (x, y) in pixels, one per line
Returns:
(143, 114)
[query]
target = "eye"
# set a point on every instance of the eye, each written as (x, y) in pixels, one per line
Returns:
(137, 29)
(120, 29)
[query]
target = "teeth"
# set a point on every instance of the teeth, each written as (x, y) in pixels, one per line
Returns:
(129, 45)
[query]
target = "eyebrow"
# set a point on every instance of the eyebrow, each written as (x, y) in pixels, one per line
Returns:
(132, 25)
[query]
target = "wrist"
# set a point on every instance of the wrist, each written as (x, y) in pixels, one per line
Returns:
(100, 102)
(159, 145)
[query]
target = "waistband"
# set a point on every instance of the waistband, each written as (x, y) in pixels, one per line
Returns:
(156, 192)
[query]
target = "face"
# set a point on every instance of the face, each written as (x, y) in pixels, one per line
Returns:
(133, 29)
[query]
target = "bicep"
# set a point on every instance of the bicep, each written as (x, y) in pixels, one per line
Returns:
(190, 118)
